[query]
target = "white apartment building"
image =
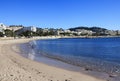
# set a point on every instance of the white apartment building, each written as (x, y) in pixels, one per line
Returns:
(31, 28)
(2, 27)
(14, 28)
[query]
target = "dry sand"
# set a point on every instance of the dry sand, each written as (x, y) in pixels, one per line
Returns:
(14, 67)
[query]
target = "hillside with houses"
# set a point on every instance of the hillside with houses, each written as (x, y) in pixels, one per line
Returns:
(30, 31)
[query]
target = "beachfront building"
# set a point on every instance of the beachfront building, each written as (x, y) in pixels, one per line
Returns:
(58, 32)
(2, 28)
(111, 32)
(45, 30)
(14, 28)
(83, 32)
(118, 32)
(25, 29)
(67, 31)
(77, 32)
(31, 28)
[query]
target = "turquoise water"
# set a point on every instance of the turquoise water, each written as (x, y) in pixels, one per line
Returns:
(101, 54)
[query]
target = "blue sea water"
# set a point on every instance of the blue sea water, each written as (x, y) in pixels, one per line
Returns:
(101, 54)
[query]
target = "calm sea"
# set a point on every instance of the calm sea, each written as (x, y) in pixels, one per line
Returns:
(101, 54)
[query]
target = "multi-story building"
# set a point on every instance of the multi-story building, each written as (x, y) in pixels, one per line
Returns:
(2, 27)
(14, 28)
(84, 32)
(31, 28)
(118, 32)
(111, 32)
(45, 30)
(24, 29)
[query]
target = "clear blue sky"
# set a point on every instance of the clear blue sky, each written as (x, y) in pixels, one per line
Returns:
(61, 13)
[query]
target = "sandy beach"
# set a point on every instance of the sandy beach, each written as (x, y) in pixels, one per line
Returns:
(14, 67)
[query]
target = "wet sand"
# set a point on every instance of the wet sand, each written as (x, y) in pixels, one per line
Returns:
(14, 67)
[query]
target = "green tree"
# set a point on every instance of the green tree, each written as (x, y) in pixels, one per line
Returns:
(9, 33)
(1, 34)
(26, 34)
(39, 32)
(51, 32)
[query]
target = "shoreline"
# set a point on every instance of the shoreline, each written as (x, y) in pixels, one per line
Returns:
(31, 70)
(55, 37)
